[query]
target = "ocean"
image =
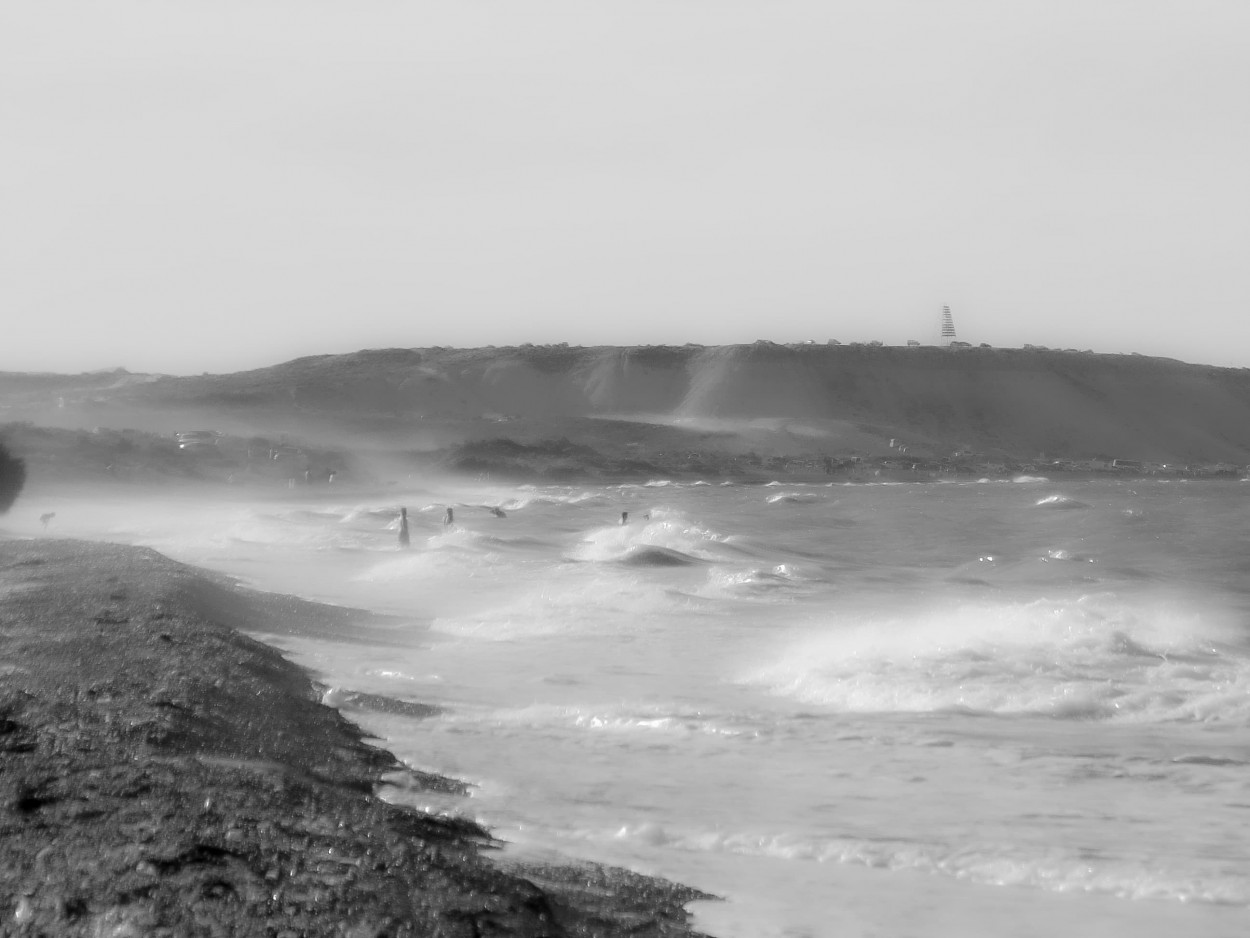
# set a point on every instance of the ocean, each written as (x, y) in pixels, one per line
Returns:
(968, 708)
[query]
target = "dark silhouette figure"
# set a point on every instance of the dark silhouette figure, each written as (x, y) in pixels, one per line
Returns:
(498, 513)
(449, 516)
(46, 517)
(624, 517)
(12, 478)
(403, 527)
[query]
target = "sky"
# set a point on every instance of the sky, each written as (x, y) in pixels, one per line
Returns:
(192, 187)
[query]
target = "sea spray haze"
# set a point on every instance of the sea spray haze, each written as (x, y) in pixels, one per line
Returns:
(1014, 707)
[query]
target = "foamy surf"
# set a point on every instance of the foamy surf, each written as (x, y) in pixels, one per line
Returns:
(1093, 658)
(658, 539)
(904, 695)
(757, 583)
(1059, 502)
(989, 862)
(793, 498)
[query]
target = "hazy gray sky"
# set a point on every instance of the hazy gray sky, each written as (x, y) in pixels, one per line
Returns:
(214, 186)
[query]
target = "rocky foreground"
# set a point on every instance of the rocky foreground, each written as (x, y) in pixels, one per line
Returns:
(163, 774)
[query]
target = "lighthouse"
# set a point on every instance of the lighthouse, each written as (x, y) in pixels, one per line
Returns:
(948, 327)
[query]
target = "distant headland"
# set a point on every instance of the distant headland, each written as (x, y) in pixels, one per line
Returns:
(741, 411)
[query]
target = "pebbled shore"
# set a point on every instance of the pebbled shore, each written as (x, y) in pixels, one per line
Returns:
(162, 774)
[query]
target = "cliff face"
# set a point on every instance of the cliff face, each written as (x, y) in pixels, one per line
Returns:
(1018, 401)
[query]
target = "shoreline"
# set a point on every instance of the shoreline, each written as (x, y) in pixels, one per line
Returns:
(166, 774)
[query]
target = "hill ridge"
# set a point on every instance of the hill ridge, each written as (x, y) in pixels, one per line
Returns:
(1020, 401)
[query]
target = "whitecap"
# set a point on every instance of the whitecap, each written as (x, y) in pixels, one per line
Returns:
(1059, 502)
(793, 498)
(1145, 659)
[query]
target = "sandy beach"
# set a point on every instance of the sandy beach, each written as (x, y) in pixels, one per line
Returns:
(164, 774)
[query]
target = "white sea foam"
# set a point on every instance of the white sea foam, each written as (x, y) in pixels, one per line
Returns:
(670, 530)
(575, 497)
(989, 863)
(793, 498)
(1098, 657)
(644, 720)
(1059, 502)
(756, 582)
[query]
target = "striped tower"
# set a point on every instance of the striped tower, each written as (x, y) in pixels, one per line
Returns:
(948, 327)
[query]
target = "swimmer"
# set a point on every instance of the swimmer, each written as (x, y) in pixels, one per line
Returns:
(449, 516)
(46, 517)
(624, 517)
(498, 512)
(403, 527)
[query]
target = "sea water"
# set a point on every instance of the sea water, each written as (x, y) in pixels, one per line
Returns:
(976, 708)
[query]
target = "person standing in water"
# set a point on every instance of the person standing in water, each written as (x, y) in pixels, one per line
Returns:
(403, 527)
(624, 517)
(449, 516)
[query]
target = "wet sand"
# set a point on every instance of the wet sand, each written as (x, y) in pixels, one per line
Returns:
(164, 774)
